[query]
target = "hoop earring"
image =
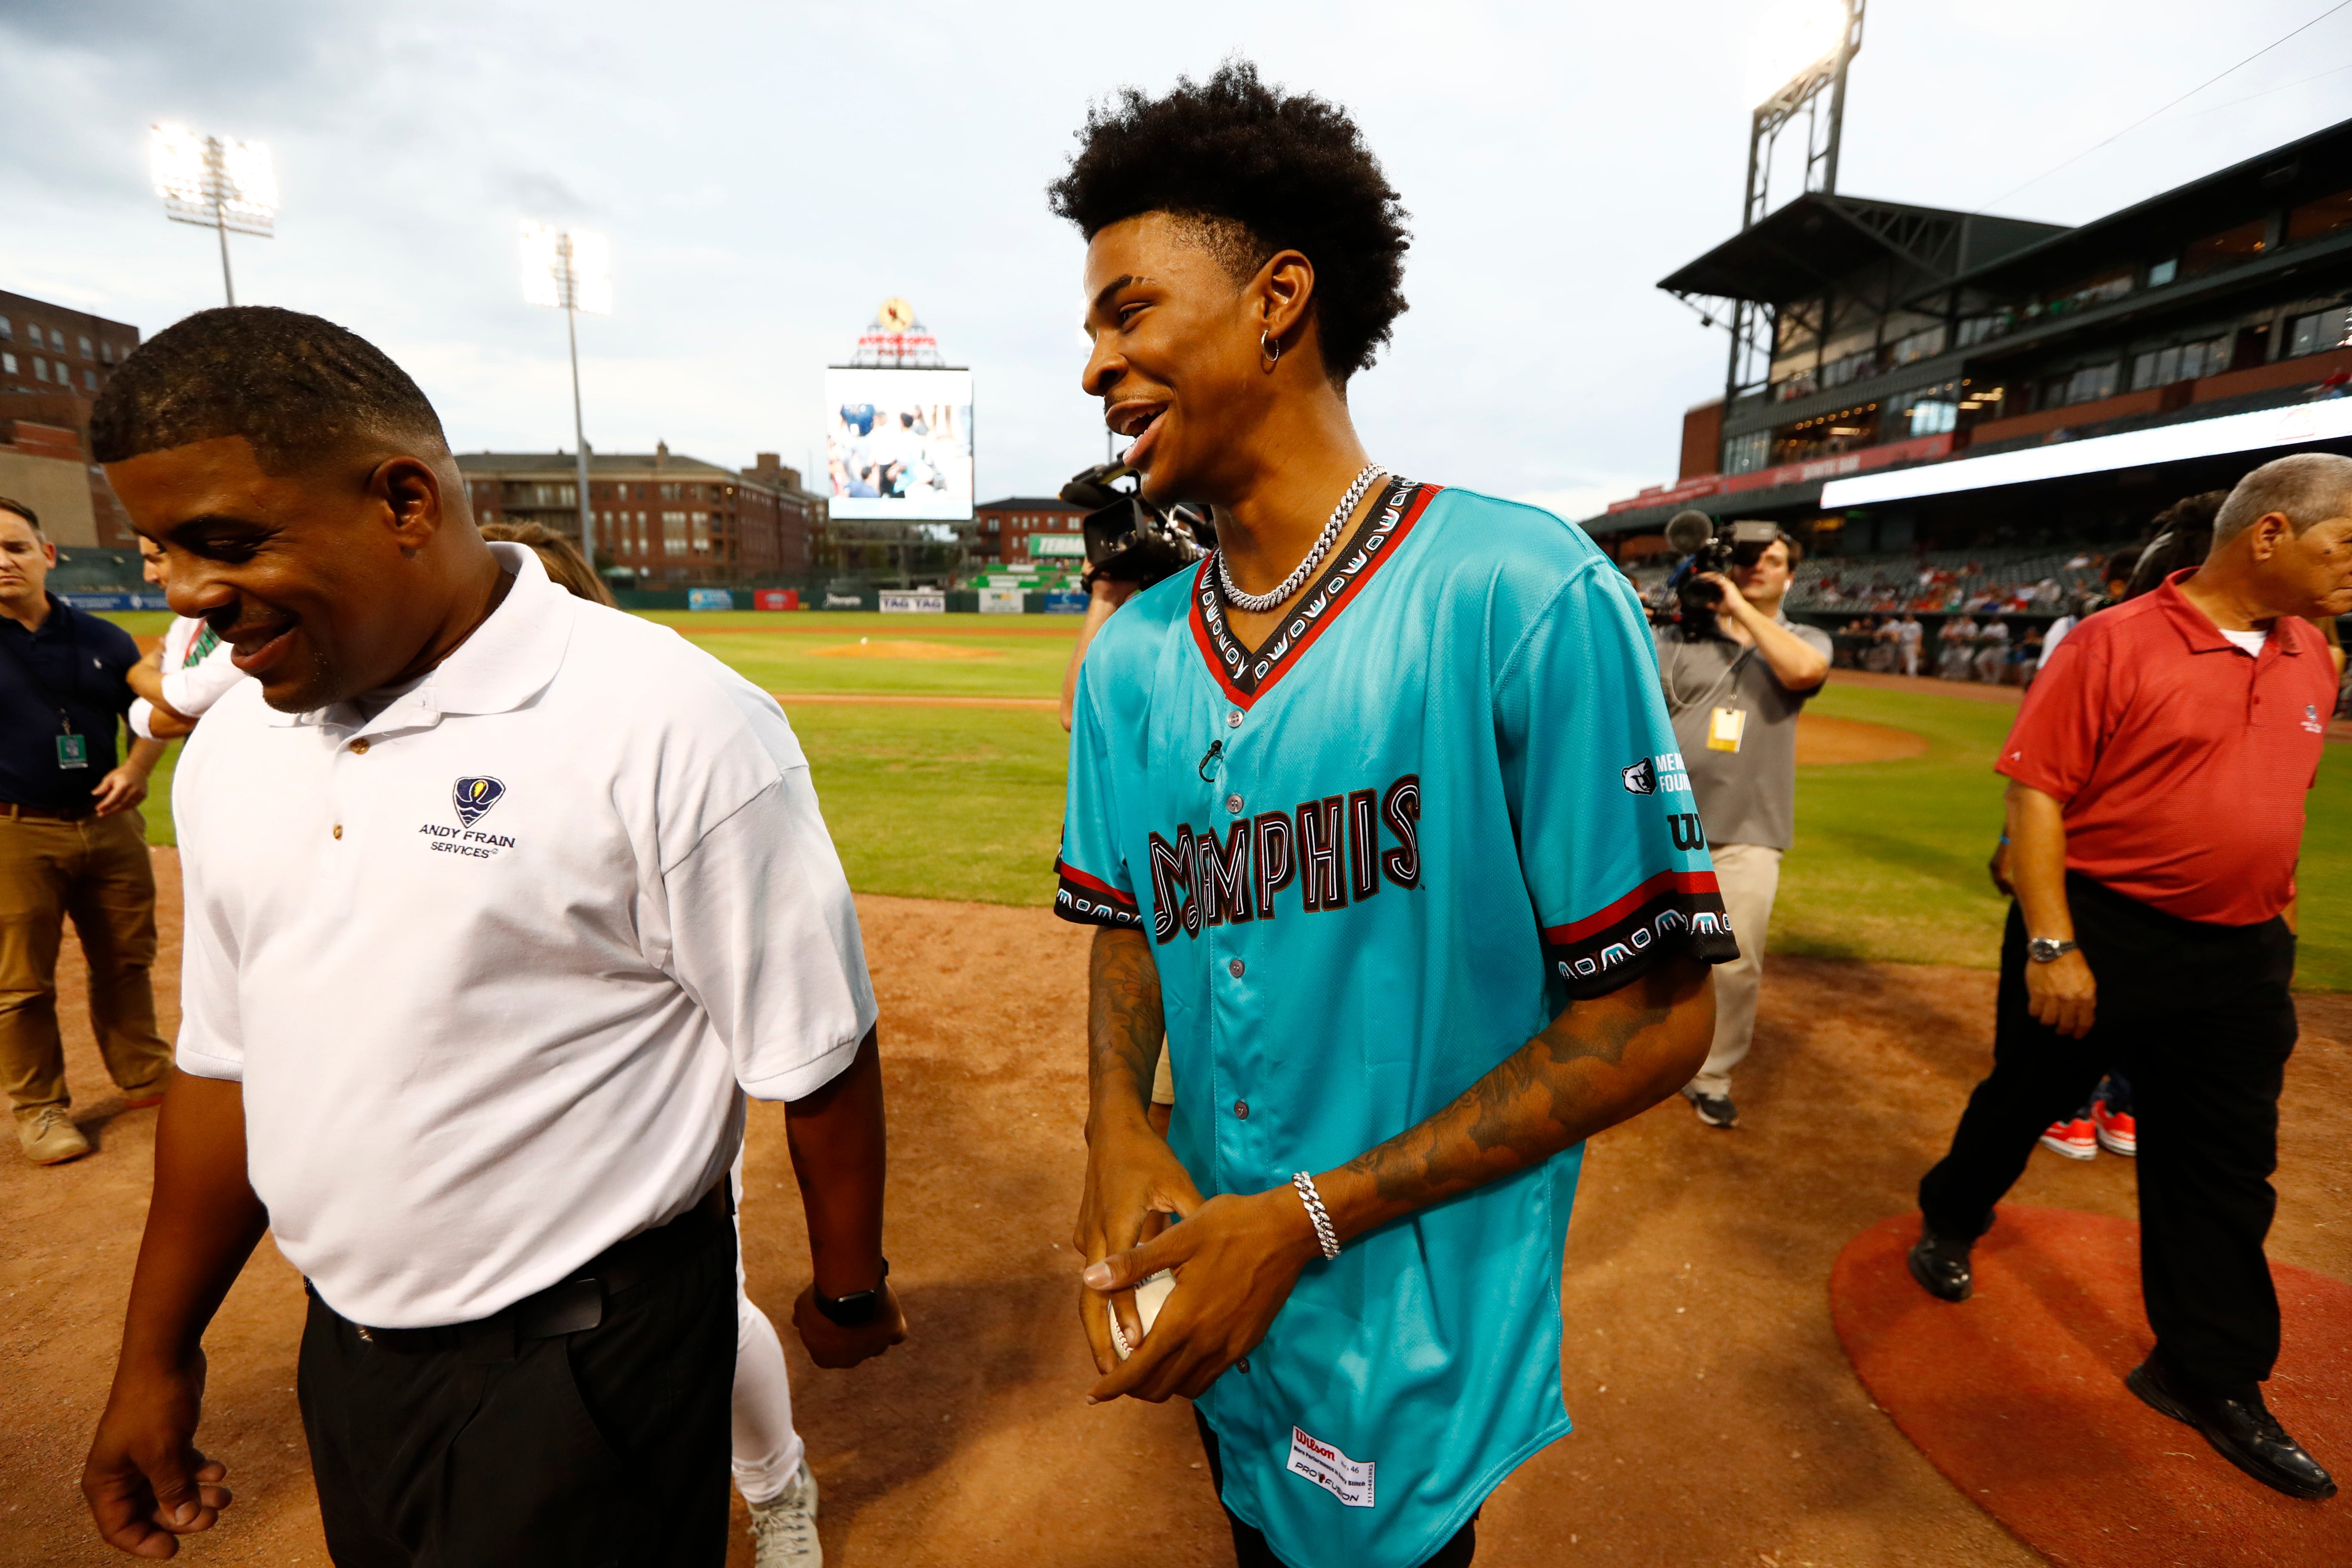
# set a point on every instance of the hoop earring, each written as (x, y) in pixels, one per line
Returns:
(1269, 350)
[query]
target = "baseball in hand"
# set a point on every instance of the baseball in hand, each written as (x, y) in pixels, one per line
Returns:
(1149, 1298)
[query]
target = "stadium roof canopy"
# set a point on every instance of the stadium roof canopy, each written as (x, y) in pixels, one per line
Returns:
(1816, 241)
(2300, 171)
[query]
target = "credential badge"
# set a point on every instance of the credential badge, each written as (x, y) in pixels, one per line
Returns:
(475, 796)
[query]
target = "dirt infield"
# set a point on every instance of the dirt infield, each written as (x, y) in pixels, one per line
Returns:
(901, 647)
(1717, 1420)
(1822, 738)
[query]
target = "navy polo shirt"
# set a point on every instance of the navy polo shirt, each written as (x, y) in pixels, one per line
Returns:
(75, 662)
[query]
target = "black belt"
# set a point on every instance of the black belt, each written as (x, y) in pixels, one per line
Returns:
(578, 1303)
(14, 812)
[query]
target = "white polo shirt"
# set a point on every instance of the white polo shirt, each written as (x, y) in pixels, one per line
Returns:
(492, 965)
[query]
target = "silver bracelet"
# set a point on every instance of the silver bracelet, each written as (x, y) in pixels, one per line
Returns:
(1325, 1236)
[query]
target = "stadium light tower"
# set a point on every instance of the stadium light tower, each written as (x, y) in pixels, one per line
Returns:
(221, 185)
(572, 273)
(1803, 54)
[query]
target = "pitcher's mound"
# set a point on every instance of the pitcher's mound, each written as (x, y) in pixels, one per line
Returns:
(903, 648)
(2017, 1397)
(1822, 739)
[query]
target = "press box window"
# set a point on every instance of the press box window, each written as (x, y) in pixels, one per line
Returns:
(2324, 215)
(1746, 454)
(2226, 248)
(2183, 362)
(2319, 331)
(1936, 411)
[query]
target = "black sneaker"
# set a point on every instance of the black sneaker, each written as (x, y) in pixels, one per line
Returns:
(1940, 1265)
(2241, 1430)
(1715, 1109)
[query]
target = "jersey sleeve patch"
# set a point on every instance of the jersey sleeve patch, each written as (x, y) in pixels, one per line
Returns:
(1673, 911)
(1087, 899)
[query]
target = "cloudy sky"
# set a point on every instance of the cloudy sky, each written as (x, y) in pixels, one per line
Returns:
(768, 174)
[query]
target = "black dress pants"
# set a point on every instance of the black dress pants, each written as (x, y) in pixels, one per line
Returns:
(2201, 1019)
(603, 1448)
(1250, 1550)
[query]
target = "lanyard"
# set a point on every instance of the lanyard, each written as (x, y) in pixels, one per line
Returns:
(1675, 703)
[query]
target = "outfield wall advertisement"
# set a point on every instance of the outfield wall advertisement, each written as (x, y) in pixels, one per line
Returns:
(897, 444)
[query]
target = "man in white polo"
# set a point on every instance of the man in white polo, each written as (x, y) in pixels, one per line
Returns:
(498, 904)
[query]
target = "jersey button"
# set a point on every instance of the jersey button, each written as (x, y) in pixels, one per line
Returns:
(1233, 804)
(1235, 968)
(339, 830)
(1242, 1366)
(359, 748)
(1233, 720)
(1241, 1109)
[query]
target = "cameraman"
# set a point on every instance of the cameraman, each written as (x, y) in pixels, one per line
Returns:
(1734, 683)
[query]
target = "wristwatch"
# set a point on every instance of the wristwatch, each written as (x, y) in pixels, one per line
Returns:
(2048, 948)
(855, 1310)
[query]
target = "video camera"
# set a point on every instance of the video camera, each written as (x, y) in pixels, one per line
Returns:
(1129, 539)
(1711, 546)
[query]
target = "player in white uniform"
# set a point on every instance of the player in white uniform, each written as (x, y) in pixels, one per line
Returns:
(181, 679)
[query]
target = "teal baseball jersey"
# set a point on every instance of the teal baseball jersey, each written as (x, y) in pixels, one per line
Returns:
(1374, 857)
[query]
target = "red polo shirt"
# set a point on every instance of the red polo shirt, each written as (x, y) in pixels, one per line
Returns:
(2182, 763)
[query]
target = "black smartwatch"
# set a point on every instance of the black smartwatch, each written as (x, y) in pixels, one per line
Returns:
(856, 1310)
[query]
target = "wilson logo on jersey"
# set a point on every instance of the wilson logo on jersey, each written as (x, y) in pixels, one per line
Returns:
(1331, 849)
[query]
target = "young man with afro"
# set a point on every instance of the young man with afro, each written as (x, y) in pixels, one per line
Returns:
(1379, 816)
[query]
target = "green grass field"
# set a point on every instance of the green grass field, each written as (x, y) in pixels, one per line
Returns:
(955, 802)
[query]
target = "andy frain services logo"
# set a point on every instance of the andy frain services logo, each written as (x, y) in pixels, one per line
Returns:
(473, 798)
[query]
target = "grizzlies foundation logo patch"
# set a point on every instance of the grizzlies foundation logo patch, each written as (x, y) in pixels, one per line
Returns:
(475, 796)
(1641, 778)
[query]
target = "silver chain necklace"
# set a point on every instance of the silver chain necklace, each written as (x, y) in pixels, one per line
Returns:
(1279, 595)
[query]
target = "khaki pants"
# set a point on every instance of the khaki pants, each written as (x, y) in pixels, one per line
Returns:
(98, 871)
(1750, 875)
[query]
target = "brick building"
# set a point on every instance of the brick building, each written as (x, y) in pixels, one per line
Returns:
(667, 520)
(54, 361)
(1003, 529)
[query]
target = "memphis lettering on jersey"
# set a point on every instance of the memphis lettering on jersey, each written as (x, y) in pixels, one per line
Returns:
(1336, 849)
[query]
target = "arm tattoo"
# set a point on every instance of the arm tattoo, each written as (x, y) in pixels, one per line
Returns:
(1541, 1099)
(1125, 1027)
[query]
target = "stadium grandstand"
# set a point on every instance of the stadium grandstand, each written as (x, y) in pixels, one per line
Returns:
(1913, 390)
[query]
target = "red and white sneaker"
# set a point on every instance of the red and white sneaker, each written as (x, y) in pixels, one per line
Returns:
(2117, 1132)
(2073, 1137)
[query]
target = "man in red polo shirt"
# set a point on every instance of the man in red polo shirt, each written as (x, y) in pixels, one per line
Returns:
(2157, 775)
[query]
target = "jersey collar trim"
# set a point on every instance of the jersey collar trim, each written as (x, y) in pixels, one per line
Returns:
(1246, 674)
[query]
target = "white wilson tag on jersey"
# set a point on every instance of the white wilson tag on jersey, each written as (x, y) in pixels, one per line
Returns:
(1723, 728)
(1349, 1481)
